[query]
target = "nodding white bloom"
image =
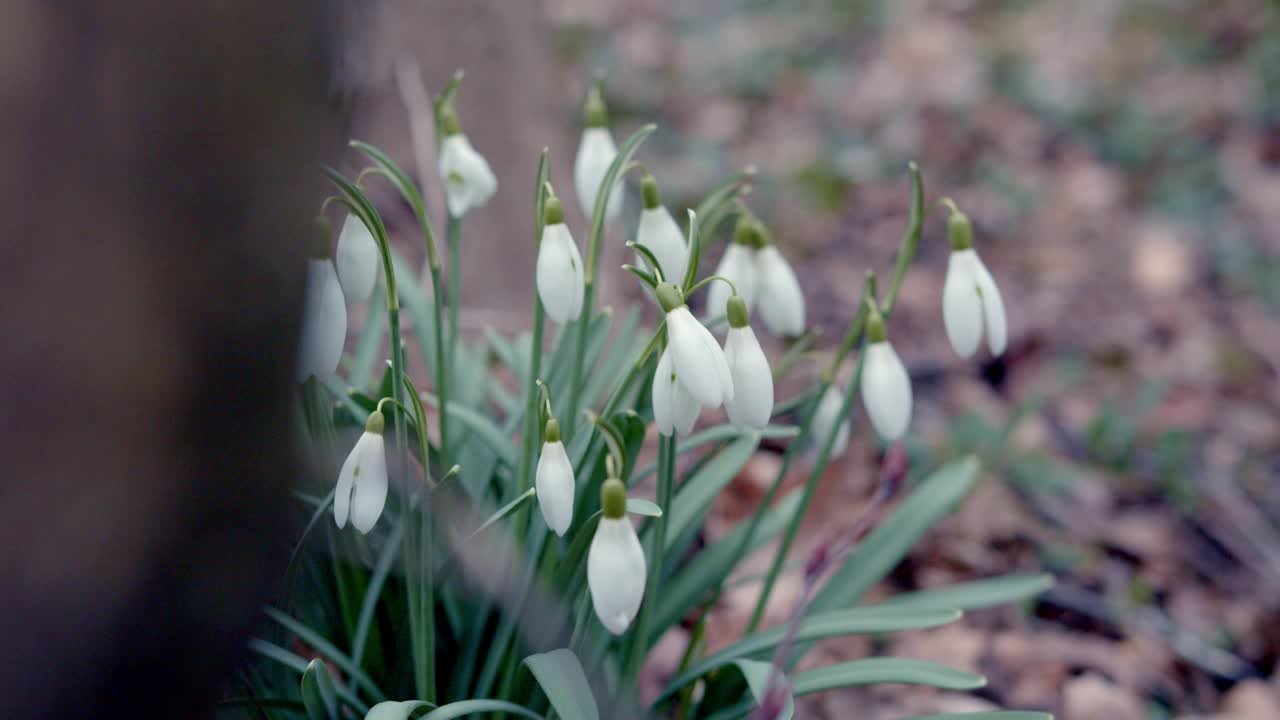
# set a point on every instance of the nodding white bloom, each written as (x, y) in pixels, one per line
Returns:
(696, 357)
(659, 232)
(827, 415)
(595, 154)
(886, 388)
(971, 301)
(752, 402)
(778, 295)
(357, 259)
(554, 481)
(468, 180)
(559, 271)
(324, 321)
(615, 563)
(674, 409)
(738, 266)
(362, 482)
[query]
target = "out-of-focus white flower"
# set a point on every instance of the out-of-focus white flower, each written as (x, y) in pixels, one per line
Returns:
(362, 482)
(554, 481)
(886, 388)
(779, 299)
(738, 266)
(659, 232)
(559, 272)
(697, 358)
(468, 180)
(596, 152)
(826, 417)
(971, 302)
(674, 409)
(615, 563)
(324, 321)
(357, 259)
(752, 402)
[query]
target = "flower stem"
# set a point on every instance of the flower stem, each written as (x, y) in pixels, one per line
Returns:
(657, 558)
(455, 288)
(529, 434)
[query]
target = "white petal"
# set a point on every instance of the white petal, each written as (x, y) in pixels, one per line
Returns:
(961, 305)
(369, 496)
(555, 484)
(659, 232)
(357, 259)
(739, 266)
(468, 180)
(346, 481)
(616, 573)
(559, 274)
(752, 402)
(992, 307)
(595, 154)
(324, 322)
(779, 299)
(698, 360)
(674, 409)
(886, 391)
(825, 418)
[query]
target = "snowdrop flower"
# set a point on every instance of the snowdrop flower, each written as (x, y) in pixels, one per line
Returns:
(357, 259)
(699, 362)
(595, 154)
(825, 418)
(778, 295)
(738, 265)
(615, 563)
(362, 482)
(886, 388)
(324, 319)
(468, 180)
(659, 232)
(554, 480)
(752, 401)
(674, 409)
(559, 271)
(970, 299)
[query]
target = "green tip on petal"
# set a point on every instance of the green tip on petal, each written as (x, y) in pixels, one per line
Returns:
(613, 498)
(553, 211)
(649, 191)
(375, 423)
(669, 296)
(750, 231)
(595, 114)
(959, 229)
(449, 122)
(551, 431)
(876, 331)
(737, 311)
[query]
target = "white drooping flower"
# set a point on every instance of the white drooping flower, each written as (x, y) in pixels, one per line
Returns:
(362, 483)
(596, 152)
(468, 180)
(357, 259)
(559, 272)
(674, 409)
(971, 302)
(324, 321)
(615, 563)
(779, 299)
(659, 232)
(738, 266)
(752, 402)
(696, 357)
(826, 417)
(886, 387)
(554, 481)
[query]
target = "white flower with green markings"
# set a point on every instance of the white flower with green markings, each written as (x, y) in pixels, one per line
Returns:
(659, 232)
(616, 570)
(596, 153)
(697, 359)
(886, 387)
(361, 493)
(559, 270)
(469, 182)
(752, 402)
(674, 409)
(971, 302)
(554, 480)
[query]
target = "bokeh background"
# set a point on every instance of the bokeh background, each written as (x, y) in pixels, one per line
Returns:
(1121, 163)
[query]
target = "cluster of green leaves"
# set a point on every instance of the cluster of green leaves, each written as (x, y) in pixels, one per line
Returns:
(393, 625)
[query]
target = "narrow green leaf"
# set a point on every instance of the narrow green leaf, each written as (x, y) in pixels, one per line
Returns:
(277, 654)
(884, 670)
(365, 357)
(482, 426)
(717, 433)
(758, 675)
(563, 680)
(888, 543)
(322, 645)
(640, 506)
(471, 707)
(974, 595)
(373, 591)
(696, 494)
(504, 511)
(858, 621)
(319, 696)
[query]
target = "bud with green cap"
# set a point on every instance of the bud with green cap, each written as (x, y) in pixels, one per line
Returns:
(752, 401)
(659, 232)
(554, 480)
(615, 562)
(886, 387)
(596, 152)
(469, 182)
(559, 272)
(361, 493)
(971, 302)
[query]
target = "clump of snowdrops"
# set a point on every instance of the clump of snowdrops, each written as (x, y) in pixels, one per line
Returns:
(481, 549)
